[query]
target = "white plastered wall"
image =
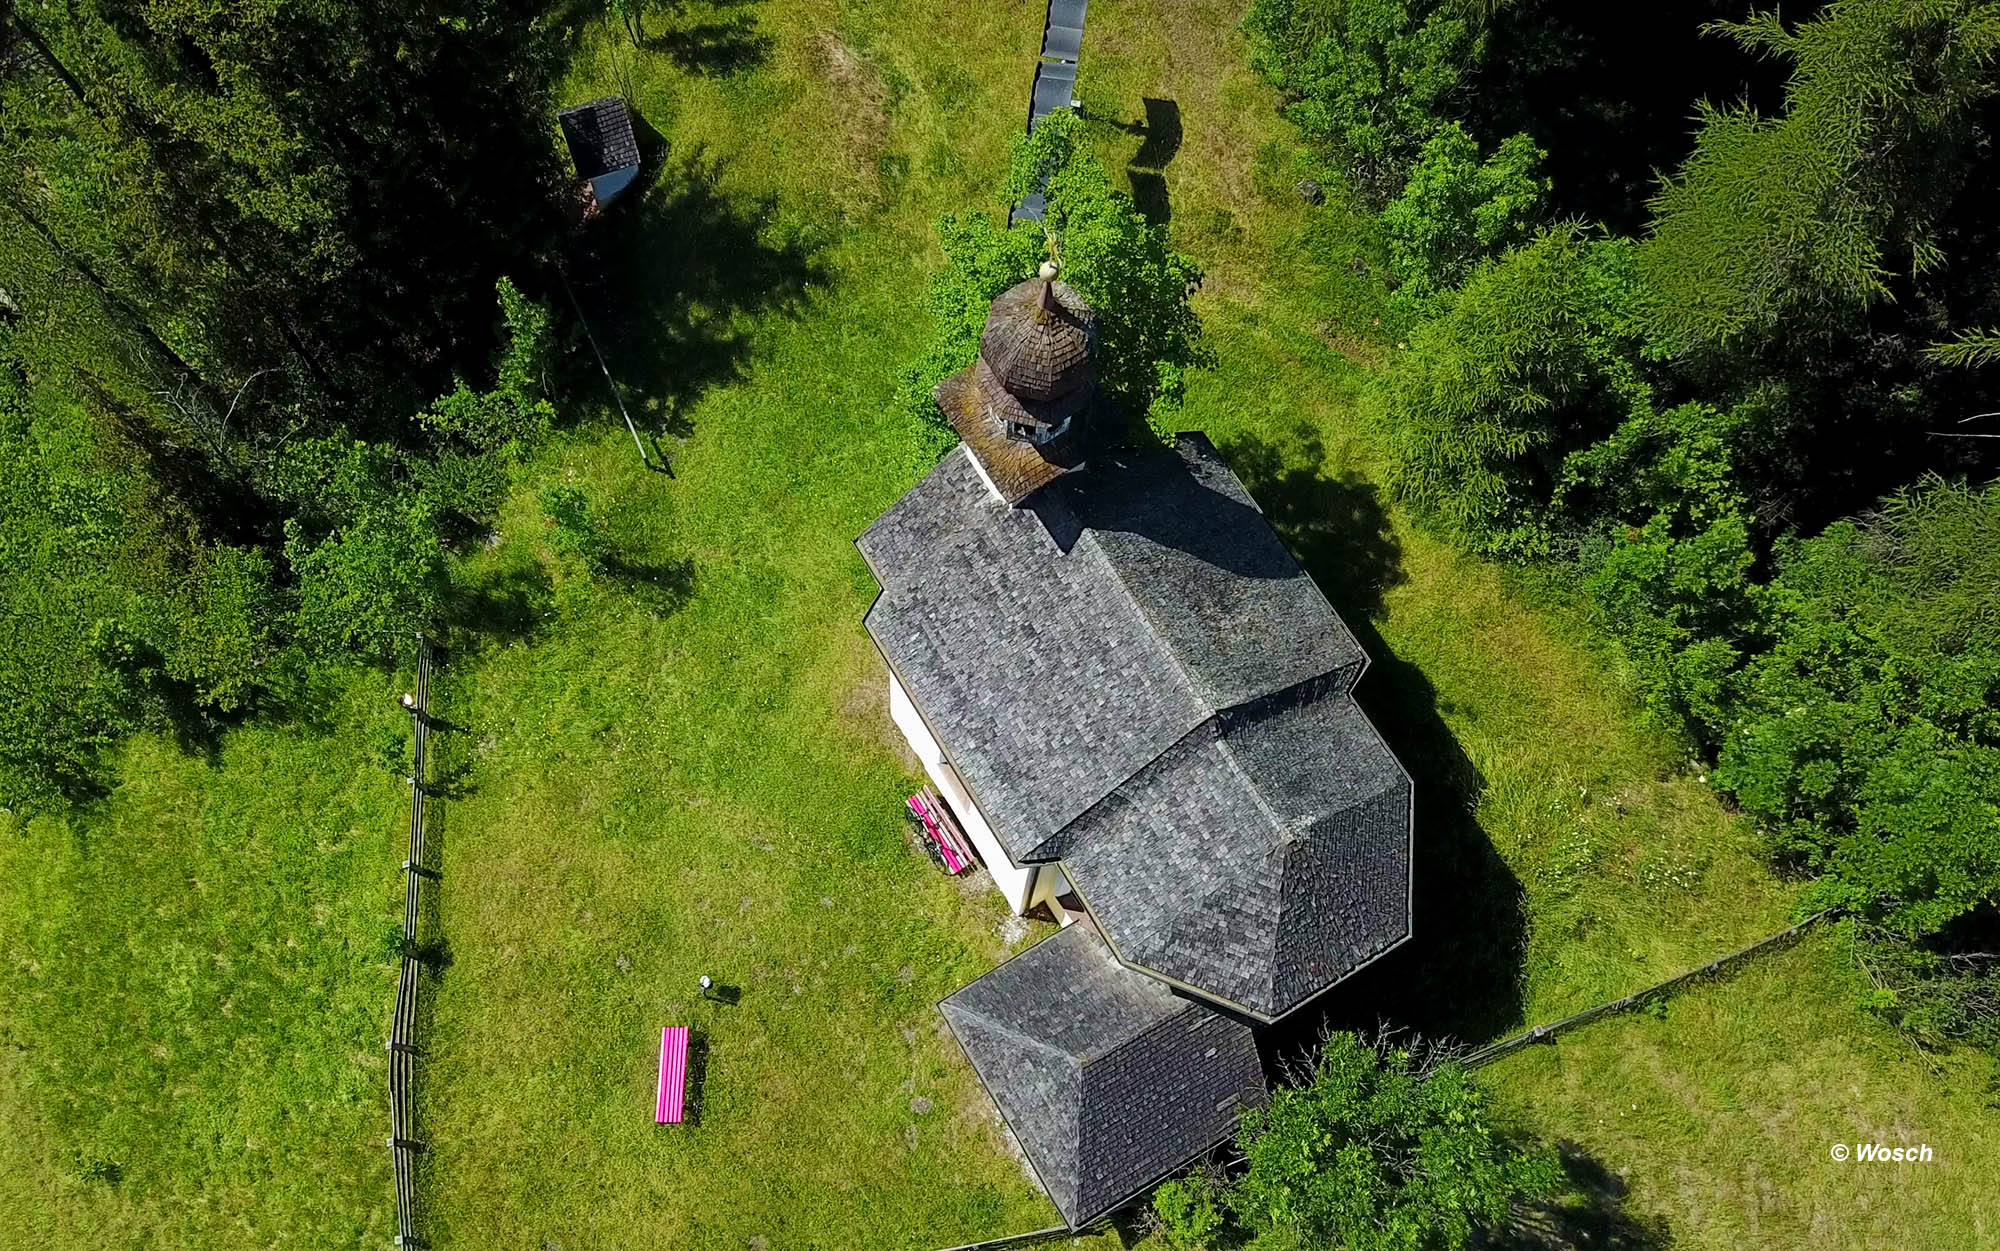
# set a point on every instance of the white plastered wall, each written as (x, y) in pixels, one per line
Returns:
(1017, 883)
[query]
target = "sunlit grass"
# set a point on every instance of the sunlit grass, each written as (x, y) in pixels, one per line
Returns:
(689, 769)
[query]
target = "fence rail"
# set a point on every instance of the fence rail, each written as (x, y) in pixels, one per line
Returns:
(404, 1144)
(1547, 1033)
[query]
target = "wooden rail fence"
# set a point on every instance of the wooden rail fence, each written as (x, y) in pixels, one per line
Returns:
(404, 1144)
(1546, 1033)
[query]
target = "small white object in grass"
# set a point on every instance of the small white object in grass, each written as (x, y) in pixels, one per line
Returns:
(705, 983)
(409, 700)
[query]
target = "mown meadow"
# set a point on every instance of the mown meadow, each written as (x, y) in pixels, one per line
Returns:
(684, 765)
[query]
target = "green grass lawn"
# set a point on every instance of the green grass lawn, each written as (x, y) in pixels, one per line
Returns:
(195, 989)
(687, 767)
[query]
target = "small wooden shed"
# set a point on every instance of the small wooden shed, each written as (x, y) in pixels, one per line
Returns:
(605, 148)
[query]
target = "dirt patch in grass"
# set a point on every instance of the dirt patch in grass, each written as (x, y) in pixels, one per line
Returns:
(858, 120)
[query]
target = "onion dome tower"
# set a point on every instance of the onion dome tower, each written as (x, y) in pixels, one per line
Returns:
(1021, 407)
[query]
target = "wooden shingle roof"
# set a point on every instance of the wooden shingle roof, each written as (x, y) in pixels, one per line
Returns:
(1108, 1079)
(1040, 335)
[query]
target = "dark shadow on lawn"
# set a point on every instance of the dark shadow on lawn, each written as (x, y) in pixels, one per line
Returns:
(1147, 173)
(1459, 975)
(673, 277)
(662, 586)
(697, 1077)
(1590, 1217)
(506, 604)
(715, 46)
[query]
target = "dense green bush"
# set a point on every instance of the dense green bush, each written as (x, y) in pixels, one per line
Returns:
(1529, 363)
(1671, 572)
(1867, 740)
(1149, 335)
(515, 414)
(1188, 1210)
(1456, 210)
(1379, 1154)
(1368, 82)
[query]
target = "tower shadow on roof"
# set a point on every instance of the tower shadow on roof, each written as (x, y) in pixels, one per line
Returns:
(1459, 976)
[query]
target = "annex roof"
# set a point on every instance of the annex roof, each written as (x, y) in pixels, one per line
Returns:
(1108, 1079)
(1104, 664)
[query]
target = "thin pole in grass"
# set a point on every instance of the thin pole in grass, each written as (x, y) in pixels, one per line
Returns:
(609, 381)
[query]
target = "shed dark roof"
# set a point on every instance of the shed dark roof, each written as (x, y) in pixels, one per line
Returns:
(600, 137)
(1108, 1079)
(1100, 662)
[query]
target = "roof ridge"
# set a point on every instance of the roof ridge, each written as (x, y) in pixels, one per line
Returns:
(1286, 846)
(1010, 1033)
(1212, 718)
(1153, 629)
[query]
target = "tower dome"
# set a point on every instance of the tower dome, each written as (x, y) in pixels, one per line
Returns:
(1020, 407)
(1039, 340)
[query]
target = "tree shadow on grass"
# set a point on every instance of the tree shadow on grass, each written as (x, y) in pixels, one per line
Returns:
(662, 586)
(1147, 172)
(1591, 1216)
(504, 604)
(674, 278)
(713, 44)
(1459, 975)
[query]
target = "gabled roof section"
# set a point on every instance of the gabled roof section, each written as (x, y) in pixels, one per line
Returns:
(1260, 860)
(1214, 581)
(1058, 648)
(1033, 666)
(1108, 1079)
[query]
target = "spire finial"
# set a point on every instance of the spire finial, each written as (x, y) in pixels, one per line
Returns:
(1049, 271)
(1048, 301)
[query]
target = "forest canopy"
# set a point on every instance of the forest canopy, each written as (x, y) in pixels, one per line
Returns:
(253, 378)
(1748, 407)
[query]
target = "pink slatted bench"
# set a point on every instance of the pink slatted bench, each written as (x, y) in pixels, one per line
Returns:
(952, 863)
(942, 829)
(673, 1075)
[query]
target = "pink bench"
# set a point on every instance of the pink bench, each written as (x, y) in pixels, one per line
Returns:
(673, 1075)
(942, 830)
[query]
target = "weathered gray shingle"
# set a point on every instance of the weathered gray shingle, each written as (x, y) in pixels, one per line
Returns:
(1132, 675)
(1259, 861)
(1035, 669)
(1108, 1079)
